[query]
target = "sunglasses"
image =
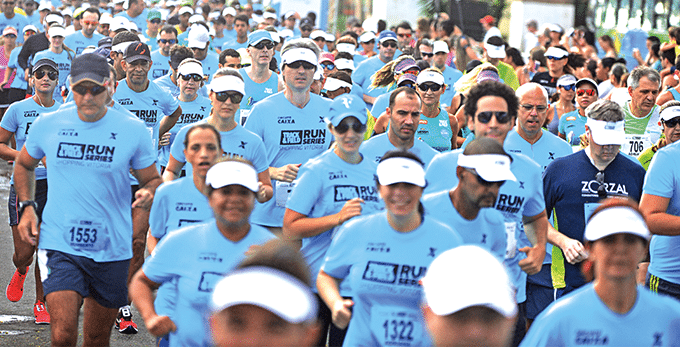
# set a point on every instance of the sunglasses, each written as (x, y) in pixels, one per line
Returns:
(11, 36)
(90, 22)
(329, 66)
(155, 21)
(404, 35)
(263, 44)
(389, 43)
(53, 75)
(428, 55)
(8, 3)
(235, 97)
(671, 123)
(539, 108)
(550, 57)
(484, 182)
(94, 90)
(602, 189)
(501, 116)
(356, 127)
(369, 42)
(304, 64)
(589, 92)
(170, 41)
(193, 76)
(569, 87)
(429, 86)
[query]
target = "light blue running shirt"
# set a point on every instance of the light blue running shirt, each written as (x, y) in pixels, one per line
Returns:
(160, 66)
(63, 61)
(255, 92)
(192, 112)
(378, 145)
(77, 41)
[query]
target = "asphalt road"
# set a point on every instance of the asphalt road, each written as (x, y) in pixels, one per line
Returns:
(16, 318)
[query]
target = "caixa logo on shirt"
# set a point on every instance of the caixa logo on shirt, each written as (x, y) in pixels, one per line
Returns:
(390, 273)
(348, 192)
(303, 137)
(591, 338)
(86, 152)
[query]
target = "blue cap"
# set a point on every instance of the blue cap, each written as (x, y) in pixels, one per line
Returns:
(347, 105)
(259, 35)
(387, 35)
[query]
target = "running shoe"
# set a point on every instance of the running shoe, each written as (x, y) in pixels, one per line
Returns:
(42, 317)
(124, 322)
(15, 288)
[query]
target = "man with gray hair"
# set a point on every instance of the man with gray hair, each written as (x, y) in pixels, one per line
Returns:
(574, 185)
(641, 113)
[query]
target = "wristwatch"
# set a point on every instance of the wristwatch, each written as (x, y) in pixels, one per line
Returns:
(24, 204)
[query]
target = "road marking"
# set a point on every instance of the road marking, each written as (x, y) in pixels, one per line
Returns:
(9, 319)
(12, 332)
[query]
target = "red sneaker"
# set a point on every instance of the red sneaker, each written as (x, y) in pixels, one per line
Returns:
(42, 317)
(15, 288)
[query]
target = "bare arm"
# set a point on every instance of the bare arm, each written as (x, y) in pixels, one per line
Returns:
(573, 250)
(453, 122)
(265, 191)
(369, 99)
(330, 294)
(6, 152)
(149, 180)
(536, 228)
(297, 225)
(151, 242)
(141, 293)
(654, 207)
(24, 184)
(169, 121)
(173, 169)
(286, 173)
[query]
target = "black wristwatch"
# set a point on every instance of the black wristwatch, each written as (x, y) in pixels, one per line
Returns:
(24, 204)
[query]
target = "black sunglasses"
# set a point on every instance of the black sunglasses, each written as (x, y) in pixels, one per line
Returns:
(602, 189)
(369, 42)
(170, 41)
(425, 54)
(501, 116)
(357, 127)
(389, 43)
(193, 76)
(263, 44)
(11, 36)
(53, 75)
(155, 21)
(539, 108)
(671, 123)
(550, 57)
(235, 97)
(429, 86)
(485, 182)
(94, 90)
(304, 64)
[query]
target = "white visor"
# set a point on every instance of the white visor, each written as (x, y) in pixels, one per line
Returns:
(398, 170)
(56, 31)
(53, 18)
(497, 52)
(316, 34)
(670, 113)
(122, 47)
(269, 15)
(556, 52)
(490, 167)
(606, 133)
(190, 68)
(616, 220)
(344, 64)
(297, 54)
(232, 172)
(333, 84)
(430, 76)
(345, 47)
(229, 11)
(227, 83)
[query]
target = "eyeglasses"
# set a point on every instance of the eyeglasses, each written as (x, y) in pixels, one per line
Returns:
(404, 35)
(485, 182)
(328, 66)
(304, 64)
(53, 75)
(429, 86)
(356, 127)
(671, 123)
(389, 43)
(235, 97)
(589, 92)
(263, 44)
(244, 65)
(8, 3)
(501, 116)
(539, 108)
(90, 22)
(10, 36)
(193, 76)
(602, 189)
(170, 41)
(369, 42)
(550, 57)
(155, 21)
(428, 55)
(569, 87)
(94, 90)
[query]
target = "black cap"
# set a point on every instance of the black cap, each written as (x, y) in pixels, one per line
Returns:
(306, 22)
(137, 51)
(89, 67)
(45, 62)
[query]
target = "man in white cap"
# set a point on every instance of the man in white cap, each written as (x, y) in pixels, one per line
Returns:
(229, 13)
(260, 81)
(669, 113)
(136, 12)
(184, 14)
(319, 37)
(574, 186)
(38, 42)
(241, 27)
(494, 52)
(362, 75)
(104, 24)
(199, 42)
(441, 50)
(33, 16)
(87, 36)
(457, 313)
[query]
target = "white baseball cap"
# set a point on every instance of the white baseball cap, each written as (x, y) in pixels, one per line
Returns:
(606, 133)
(196, 18)
(269, 15)
(400, 170)
(316, 34)
(229, 11)
(232, 172)
(228, 83)
(367, 36)
(430, 76)
(616, 220)
(186, 9)
(446, 293)
(440, 47)
(118, 23)
(493, 51)
(268, 288)
(333, 84)
(490, 167)
(198, 37)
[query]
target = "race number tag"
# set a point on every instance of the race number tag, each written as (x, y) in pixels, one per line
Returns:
(86, 234)
(396, 326)
(636, 144)
(511, 248)
(244, 116)
(283, 189)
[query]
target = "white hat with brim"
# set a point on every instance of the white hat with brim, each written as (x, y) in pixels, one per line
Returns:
(367, 36)
(440, 47)
(232, 172)
(228, 83)
(556, 52)
(606, 133)
(118, 23)
(616, 220)
(196, 18)
(400, 170)
(344, 64)
(185, 9)
(297, 54)
(497, 52)
(29, 27)
(445, 293)
(56, 30)
(229, 11)
(667, 114)
(54, 18)
(333, 84)
(190, 68)
(430, 76)
(490, 167)
(318, 34)
(346, 47)
(269, 15)
(268, 288)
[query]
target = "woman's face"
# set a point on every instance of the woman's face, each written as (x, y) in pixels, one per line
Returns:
(189, 88)
(202, 150)
(347, 139)
(616, 256)
(567, 95)
(232, 205)
(56, 41)
(401, 199)
(224, 109)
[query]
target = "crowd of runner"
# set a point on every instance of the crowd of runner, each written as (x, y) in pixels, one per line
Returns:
(384, 184)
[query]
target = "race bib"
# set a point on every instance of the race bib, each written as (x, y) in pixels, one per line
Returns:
(511, 248)
(636, 144)
(86, 234)
(283, 189)
(396, 326)
(244, 116)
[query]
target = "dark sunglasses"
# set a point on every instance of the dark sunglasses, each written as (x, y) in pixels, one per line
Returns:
(263, 44)
(53, 75)
(428, 55)
(170, 41)
(235, 97)
(501, 116)
(429, 86)
(193, 76)
(369, 42)
(550, 57)
(328, 66)
(589, 92)
(11, 36)
(539, 108)
(389, 43)
(404, 35)
(569, 87)
(485, 182)
(671, 123)
(155, 21)
(356, 127)
(94, 90)
(602, 189)
(304, 64)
